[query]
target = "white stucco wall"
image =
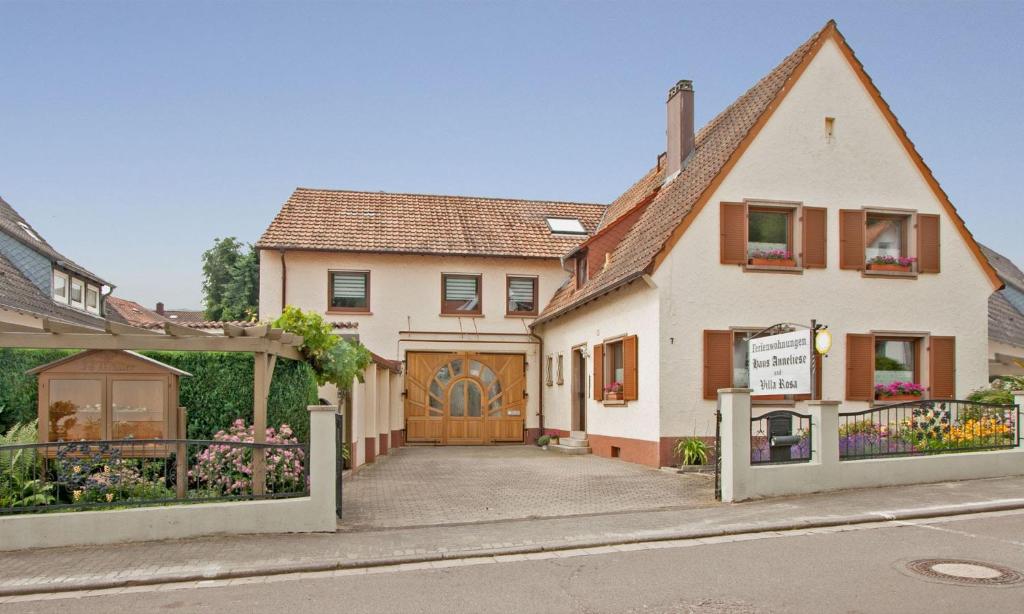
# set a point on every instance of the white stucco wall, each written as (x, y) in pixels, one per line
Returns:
(634, 310)
(864, 165)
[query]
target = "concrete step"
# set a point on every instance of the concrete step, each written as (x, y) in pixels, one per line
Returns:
(574, 443)
(570, 450)
(577, 434)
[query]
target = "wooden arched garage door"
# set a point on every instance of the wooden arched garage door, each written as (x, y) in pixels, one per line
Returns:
(464, 398)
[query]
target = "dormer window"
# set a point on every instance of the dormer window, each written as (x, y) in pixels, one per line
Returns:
(77, 294)
(60, 287)
(566, 226)
(92, 299)
(581, 270)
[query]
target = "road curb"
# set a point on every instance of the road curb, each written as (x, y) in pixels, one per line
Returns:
(654, 536)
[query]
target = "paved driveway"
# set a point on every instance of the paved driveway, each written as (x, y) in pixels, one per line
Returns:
(418, 486)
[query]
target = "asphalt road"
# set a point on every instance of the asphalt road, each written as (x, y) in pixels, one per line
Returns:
(858, 569)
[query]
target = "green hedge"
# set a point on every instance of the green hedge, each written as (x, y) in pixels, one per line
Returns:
(219, 391)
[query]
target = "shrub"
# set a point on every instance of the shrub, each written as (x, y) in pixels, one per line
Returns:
(227, 469)
(543, 440)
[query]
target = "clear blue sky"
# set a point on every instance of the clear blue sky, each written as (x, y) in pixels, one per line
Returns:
(132, 134)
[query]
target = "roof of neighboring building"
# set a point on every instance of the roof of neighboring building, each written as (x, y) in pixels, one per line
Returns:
(717, 147)
(18, 227)
(130, 312)
(1007, 270)
(19, 294)
(215, 324)
(181, 316)
(339, 220)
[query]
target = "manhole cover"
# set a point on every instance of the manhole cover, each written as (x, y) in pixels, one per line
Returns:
(971, 573)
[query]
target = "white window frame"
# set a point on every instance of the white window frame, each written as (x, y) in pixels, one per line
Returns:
(91, 288)
(71, 301)
(67, 287)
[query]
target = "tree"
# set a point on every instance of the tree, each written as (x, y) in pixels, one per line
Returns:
(231, 280)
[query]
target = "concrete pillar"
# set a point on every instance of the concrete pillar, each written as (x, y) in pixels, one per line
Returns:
(323, 465)
(1018, 400)
(397, 417)
(369, 413)
(383, 409)
(824, 431)
(357, 452)
(734, 403)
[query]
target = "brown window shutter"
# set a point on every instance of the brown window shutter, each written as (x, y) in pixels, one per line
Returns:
(598, 372)
(927, 243)
(629, 368)
(942, 368)
(815, 230)
(717, 361)
(860, 367)
(734, 233)
(851, 239)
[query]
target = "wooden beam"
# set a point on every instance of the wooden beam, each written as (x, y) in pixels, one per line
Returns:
(177, 330)
(260, 390)
(233, 330)
(257, 331)
(8, 327)
(286, 339)
(116, 328)
(144, 341)
(275, 333)
(53, 326)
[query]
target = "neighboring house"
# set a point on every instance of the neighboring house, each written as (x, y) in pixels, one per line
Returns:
(181, 316)
(1006, 319)
(446, 284)
(659, 292)
(37, 281)
(131, 313)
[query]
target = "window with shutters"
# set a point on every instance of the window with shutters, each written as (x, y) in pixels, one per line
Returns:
(461, 295)
(770, 236)
(889, 367)
(886, 242)
(616, 370)
(349, 291)
(766, 236)
(521, 296)
(896, 363)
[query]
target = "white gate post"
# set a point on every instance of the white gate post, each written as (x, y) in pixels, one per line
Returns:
(1018, 400)
(824, 433)
(734, 403)
(323, 450)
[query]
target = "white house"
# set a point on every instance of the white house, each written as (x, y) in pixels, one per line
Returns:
(803, 200)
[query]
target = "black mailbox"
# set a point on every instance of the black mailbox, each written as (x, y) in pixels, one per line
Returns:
(780, 430)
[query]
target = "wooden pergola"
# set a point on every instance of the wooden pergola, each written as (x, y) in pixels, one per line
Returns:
(264, 342)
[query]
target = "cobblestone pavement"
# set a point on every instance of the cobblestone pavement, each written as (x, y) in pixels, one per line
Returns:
(418, 486)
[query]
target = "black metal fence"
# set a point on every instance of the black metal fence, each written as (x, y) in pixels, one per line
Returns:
(780, 437)
(65, 476)
(927, 427)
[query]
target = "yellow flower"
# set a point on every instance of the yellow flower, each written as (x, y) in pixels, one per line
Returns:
(106, 468)
(110, 497)
(77, 469)
(77, 495)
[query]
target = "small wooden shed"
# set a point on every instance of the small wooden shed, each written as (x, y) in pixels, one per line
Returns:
(109, 394)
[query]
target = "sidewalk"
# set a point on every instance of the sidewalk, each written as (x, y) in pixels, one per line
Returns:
(83, 568)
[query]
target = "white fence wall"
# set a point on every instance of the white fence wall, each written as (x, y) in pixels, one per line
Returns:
(300, 515)
(824, 472)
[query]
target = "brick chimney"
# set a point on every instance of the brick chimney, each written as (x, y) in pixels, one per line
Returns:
(680, 126)
(160, 308)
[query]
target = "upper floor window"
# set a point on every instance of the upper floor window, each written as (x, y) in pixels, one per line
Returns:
(889, 241)
(770, 236)
(349, 291)
(522, 295)
(92, 299)
(60, 287)
(77, 293)
(460, 294)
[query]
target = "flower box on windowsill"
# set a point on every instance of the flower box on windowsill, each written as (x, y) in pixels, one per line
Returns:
(898, 398)
(892, 268)
(612, 396)
(783, 262)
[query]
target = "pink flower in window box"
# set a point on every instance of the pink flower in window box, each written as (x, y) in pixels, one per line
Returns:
(772, 257)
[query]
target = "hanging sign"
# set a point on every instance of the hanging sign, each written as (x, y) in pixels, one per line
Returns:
(780, 364)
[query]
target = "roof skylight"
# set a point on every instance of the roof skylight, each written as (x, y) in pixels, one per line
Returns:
(566, 226)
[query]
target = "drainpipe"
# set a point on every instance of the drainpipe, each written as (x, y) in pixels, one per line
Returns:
(284, 282)
(540, 380)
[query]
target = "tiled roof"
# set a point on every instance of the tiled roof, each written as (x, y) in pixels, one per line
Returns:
(715, 144)
(1005, 323)
(19, 294)
(11, 223)
(338, 220)
(1005, 267)
(181, 316)
(130, 312)
(636, 192)
(215, 324)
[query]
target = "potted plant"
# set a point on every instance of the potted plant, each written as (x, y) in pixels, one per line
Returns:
(898, 391)
(543, 441)
(772, 257)
(900, 264)
(613, 391)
